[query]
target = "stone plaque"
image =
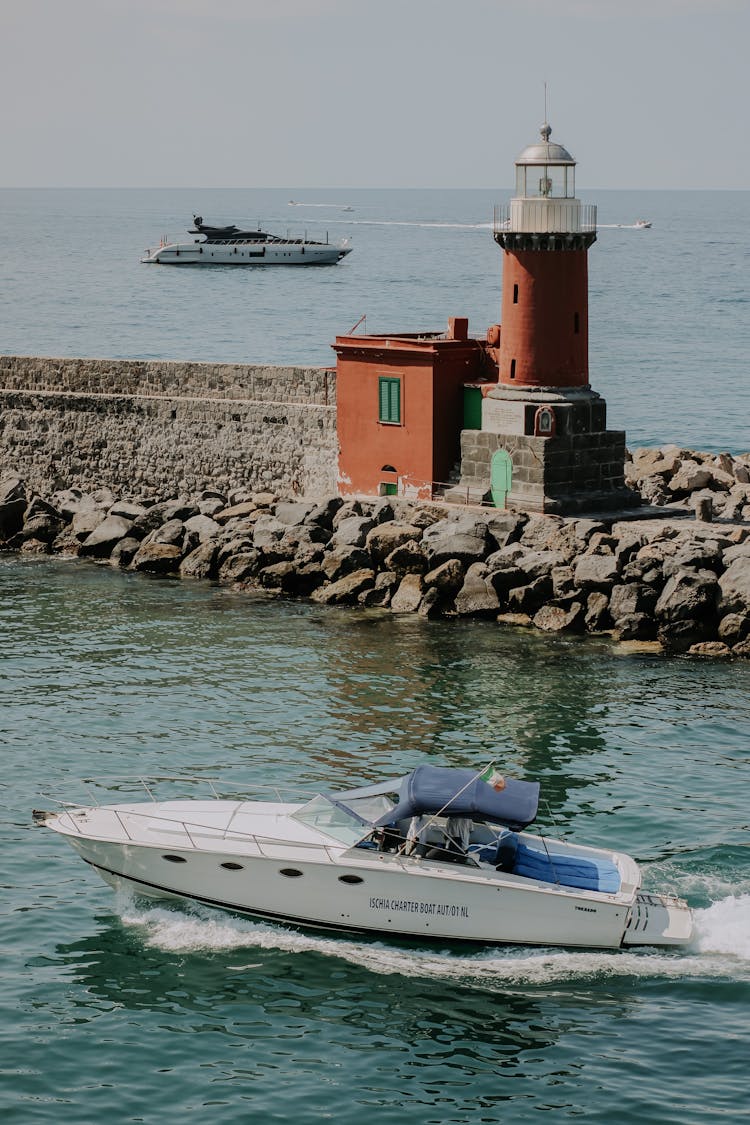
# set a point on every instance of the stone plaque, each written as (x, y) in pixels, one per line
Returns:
(502, 417)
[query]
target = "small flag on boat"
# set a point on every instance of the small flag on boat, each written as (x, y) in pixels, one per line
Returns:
(493, 777)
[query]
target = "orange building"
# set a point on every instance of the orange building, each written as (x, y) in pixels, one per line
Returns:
(400, 408)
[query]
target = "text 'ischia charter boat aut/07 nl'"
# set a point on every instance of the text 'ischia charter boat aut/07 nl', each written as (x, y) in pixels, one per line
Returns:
(438, 854)
(230, 246)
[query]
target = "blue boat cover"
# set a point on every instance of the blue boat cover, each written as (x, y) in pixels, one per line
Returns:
(461, 792)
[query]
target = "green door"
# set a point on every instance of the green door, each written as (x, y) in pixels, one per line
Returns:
(501, 472)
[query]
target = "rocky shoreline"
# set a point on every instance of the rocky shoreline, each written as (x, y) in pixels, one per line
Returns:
(679, 578)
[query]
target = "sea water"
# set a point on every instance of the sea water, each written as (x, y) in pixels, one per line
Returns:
(118, 1010)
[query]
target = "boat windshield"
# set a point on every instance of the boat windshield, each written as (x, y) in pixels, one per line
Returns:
(333, 819)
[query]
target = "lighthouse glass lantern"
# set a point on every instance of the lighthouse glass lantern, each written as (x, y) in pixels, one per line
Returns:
(545, 190)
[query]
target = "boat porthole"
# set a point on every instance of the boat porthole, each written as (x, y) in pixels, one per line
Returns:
(232, 866)
(175, 858)
(290, 872)
(350, 879)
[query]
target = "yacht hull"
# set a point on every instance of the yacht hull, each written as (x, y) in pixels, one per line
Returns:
(264, 254)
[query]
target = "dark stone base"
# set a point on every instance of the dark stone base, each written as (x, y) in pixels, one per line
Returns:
(565, 474)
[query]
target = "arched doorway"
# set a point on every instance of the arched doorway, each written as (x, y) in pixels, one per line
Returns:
(501, 474)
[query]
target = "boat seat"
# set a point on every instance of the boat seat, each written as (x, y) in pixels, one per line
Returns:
(590, 874)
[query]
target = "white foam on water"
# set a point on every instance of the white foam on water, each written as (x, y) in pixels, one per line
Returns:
(724, 927)
(720, 950)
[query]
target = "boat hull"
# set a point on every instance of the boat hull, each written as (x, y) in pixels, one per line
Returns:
(263, 254)
(381, 895)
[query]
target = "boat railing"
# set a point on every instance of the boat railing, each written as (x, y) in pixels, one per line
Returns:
(267, 847)
(100, 789)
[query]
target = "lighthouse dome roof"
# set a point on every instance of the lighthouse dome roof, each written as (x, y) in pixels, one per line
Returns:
(545, 151)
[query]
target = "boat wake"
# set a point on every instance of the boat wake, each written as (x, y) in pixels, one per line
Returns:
(720, 949)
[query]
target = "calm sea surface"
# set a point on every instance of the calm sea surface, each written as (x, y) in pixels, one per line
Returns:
(116, 1011)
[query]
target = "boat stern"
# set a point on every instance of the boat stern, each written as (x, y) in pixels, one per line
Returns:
(658, 920)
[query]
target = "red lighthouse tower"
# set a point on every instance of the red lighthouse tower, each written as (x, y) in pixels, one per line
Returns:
(543, 428)
(546, 237)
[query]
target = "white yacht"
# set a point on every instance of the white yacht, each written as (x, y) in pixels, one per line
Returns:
(230, 246)
(439, 854)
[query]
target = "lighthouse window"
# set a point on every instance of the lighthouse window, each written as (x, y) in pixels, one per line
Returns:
(576, 323)
(515, 294)
(389, 400)
(512, 369)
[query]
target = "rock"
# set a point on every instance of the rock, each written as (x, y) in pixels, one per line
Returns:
(597, 612)
(338, 561)
(534, 564)
(558, 619)
(352, 531)
(127, 510)
(203, 526)
(264, 499)
(709, 648)
(700, 553)
(69, 501)
(431, 603)
(408, 596)
(200, 563)
(515, 620)
(101, 541)
(322, 515)
(506, 527)
(84, 522)
(409, 558)
(240, 567)
(635, 627)
(686, 609)
(211, 506)
(562, 581)
(294, 512)
(466, 539)
(733, 628)
(741, 649)
(346, 590)
(278, 576)
(157, 558)
(446, 578)
(171, 532)
(531, 597)
(541, 531)
(477, 596)
(734, 586)
(42, 526)
(123, 552)
(12, 489)
(631, 598)
(236, 511)
(385, 537)
(66, 543)
(34, 547)
(689, 477)
(596, 572)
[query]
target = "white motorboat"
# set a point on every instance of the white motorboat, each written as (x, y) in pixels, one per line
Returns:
(642, 224)
(438, 854)
(230, 246)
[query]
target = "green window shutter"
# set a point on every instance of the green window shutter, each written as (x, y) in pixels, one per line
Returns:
(389, 393)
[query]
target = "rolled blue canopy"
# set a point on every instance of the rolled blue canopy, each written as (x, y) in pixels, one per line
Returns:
(460, 792)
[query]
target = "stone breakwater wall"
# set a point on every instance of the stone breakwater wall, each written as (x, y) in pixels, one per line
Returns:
(161, 428)
(675, 581)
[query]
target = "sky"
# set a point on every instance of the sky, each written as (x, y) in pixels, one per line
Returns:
(370, 93)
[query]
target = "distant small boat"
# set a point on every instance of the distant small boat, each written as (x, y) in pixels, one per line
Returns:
(642, 224)
(230, 246)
